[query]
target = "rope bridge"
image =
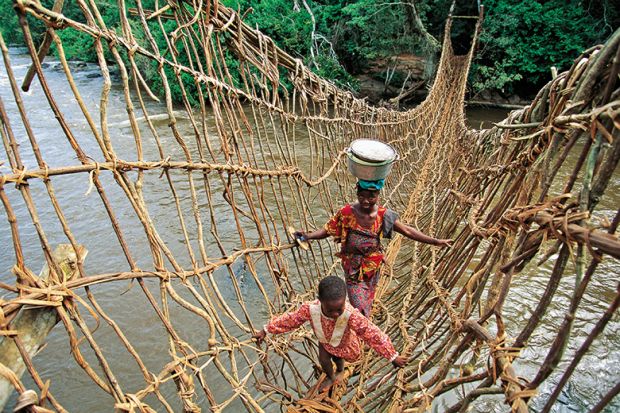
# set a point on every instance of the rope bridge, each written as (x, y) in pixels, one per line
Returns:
(242, 158)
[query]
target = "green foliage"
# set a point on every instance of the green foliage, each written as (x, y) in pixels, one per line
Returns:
(291, 29)
(178, 83)
(10, 28)
(374, 30)
(496, 77)
(76, 45)
(364, 31)
(522, 39)
(329, 67)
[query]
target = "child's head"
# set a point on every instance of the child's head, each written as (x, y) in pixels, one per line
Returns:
(332, 295)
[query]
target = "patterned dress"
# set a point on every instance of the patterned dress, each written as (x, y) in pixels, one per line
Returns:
(340, 337)
(361, 253)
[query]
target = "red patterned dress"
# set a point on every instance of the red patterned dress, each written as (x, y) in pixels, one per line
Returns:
(361, 253)
(340, 337)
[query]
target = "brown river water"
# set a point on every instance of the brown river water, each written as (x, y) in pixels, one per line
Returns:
(598, 371)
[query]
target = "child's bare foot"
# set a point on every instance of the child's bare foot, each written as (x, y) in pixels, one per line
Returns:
(326, 384)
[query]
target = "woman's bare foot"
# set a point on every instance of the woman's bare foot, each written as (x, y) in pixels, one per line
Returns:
(326, 385)
(338, 377)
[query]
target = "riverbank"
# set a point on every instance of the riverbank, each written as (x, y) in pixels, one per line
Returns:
(415, 90)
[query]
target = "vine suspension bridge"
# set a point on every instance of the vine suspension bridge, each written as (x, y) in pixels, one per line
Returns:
(243, 158)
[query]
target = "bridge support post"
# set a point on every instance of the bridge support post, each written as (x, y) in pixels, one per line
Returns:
(32, 325)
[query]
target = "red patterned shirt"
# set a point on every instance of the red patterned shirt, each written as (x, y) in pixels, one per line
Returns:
(359, 261)
(358, 327)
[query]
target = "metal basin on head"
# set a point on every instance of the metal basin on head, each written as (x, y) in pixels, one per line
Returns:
(370, 160)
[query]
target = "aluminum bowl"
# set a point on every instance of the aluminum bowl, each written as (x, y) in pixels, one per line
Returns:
(373, 151)
(369, 171)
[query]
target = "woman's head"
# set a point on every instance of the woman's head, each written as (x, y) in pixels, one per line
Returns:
(370, 185)
(332, 295)
(368, 192)
(367, 198)
(359, 188)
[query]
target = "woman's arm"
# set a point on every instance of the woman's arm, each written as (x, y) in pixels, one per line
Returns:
(333, 227)
(318, 234)
(416, 235)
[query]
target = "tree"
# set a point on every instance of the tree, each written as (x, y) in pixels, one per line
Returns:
(339, 39)
(522, 39)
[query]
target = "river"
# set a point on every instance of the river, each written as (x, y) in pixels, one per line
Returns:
(597, 372)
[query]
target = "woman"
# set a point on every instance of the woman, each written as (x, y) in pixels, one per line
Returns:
(359, 227)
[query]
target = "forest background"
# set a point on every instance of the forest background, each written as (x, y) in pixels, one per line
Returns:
(387, 48)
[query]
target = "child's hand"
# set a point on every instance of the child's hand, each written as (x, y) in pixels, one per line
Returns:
(400, 361)
(259, 336)
(444, 243)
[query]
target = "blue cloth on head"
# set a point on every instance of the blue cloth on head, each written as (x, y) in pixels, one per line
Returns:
(371, 185)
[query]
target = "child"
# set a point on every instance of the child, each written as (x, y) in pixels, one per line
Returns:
(360, 227)
(338, 327)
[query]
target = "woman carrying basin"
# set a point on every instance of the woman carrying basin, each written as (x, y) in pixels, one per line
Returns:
(360, 226)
